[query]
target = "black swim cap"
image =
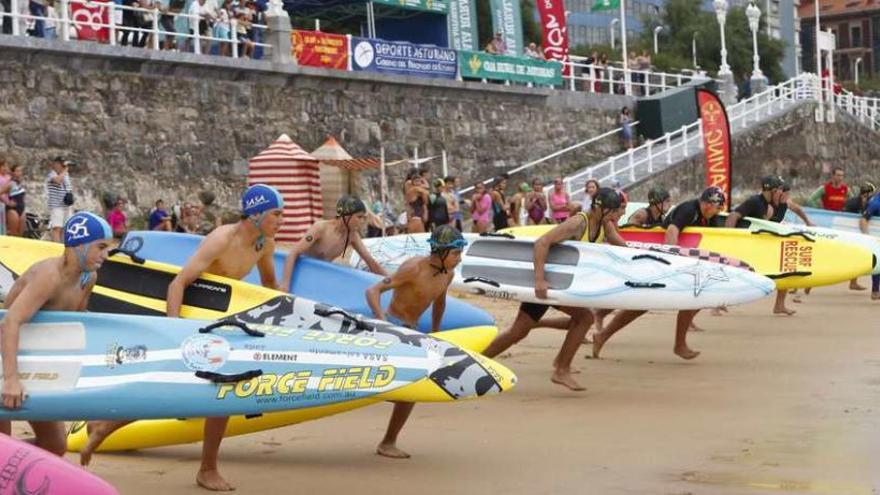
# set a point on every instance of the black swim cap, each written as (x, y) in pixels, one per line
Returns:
(867, 188)
(657, 194)
(349, 205)
(446, 237)
(607, 198)
(771, 182)
(713, 195)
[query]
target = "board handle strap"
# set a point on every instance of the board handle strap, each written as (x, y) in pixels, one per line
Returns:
(789, 274)
(137, 259)
(651, 257)
(504, 235)
(806, 236)
(482, 280)
(644, 285)
(221, 378)
(229, 323)
(359, 323)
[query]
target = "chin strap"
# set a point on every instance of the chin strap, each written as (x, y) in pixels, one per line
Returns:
(442, 268)
(345, 220)
(86, 275)
(257, 220)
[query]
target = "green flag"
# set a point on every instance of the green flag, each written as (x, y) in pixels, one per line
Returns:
(605, 5)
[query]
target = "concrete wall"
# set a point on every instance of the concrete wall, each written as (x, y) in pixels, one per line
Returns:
(150, 125)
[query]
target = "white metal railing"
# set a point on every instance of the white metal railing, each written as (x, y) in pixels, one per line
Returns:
(865, 109)
(105, 15)
(597, 78)
(688, 140)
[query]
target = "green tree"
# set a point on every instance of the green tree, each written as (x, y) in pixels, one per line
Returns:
(683, 18)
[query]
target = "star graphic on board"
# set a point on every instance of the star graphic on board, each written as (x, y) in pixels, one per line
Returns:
(704, 275)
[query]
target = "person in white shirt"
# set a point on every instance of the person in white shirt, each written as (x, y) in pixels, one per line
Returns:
(197, 22)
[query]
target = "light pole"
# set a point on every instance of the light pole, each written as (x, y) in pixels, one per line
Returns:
(694, 49)
(728, 92)
(656, 32)
(753, 14)
(856, 69)
(612, 28)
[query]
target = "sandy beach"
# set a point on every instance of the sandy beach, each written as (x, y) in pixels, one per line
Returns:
(773, 405)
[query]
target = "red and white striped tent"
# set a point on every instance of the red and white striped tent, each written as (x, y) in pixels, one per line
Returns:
(288, 168)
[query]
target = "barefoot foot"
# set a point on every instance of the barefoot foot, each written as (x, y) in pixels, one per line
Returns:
(695, 328)
(598, 341)
(97, 431)
(797, 299)
(211, 480)
(564, 378)
(875, 296)
(391, 450)
(783, 311)
(685, 352)
(855, 286)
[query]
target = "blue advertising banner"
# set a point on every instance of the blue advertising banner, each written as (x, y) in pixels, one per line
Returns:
(400, 57)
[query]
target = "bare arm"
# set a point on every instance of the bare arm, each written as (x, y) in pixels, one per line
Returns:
(402, 276)
(266, 266)
(301, 247)
(796, 208)
(365, 255)
(29, 301)
(439, 308)
(732, 218)
(863, 226)
(211, 249)
(59, 178)
(612, 235)
(84, 303)
(672, 235)
(562, 232)
(639, 217)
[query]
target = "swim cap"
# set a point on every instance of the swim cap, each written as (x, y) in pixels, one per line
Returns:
(260, 198)
(657, 194)
(349, 205)
(867, 188)
(607, 198)
(713, 195)
(786, 186)
(446, 237)
(771, 182)
(525, 187)
(84, 227)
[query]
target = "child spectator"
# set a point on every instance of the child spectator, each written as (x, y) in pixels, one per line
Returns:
(159, 218)
(117, 219)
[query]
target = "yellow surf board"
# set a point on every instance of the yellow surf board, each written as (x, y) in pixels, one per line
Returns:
(792, 261)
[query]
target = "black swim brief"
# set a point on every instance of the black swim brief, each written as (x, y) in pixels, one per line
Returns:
(534, 310)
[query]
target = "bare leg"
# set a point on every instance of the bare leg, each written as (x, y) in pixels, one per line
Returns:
(209, 475)
(620, 320)
(388, 446)
(98, 431)
(6, 428)
(51, 436)
(521, 327)
(854, 285)
(56, 234)
(599, 315)
(682, 323)
(779, 308)
(581, 319)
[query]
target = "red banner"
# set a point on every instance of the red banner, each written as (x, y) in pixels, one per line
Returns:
(716, 141)
(317, 49)
(555, 41)
(88, 18)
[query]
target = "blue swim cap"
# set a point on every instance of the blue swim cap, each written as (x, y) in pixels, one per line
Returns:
(260, 198)
(84, 227)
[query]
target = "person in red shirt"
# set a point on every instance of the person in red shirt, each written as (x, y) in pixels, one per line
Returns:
(832, 195)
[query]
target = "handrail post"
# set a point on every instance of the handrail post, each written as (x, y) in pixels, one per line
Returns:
(650, 146)
(156, 28)
(65, 18)
(592, 78)
(197, 36)
(663, 81)
(111, 23)
(13, 6)
(684, 140)
(668, 148)
(632, 167)
(233, 36)
(570, 75)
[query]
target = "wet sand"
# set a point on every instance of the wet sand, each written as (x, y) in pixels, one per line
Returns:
(773, 405)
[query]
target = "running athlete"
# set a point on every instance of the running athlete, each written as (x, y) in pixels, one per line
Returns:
(417, 284)
(759, 205)
(594, 227)
(659, 203)
(871, 210)
(56, 284)
(329, 239)
(780, 207)
(229, 251)
(700, 212)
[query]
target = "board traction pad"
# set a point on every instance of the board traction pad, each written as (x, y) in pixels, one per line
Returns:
(519, 277)
(522, 251)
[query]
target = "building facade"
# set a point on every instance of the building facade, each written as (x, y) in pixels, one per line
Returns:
(856, 27)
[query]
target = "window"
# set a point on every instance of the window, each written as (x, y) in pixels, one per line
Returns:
(855, 33)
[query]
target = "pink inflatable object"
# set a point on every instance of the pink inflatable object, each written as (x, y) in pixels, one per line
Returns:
(29, 470)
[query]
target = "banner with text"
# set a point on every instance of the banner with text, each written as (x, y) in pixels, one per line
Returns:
(317, 49)
(88, 19)
(438, 6)
(507, 20)
(479, 65)
(462, 22)
(400, 57)
(555, 30)
(716, 141)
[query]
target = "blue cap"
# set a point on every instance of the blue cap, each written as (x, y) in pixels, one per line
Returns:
(84, 227)
(260, 198)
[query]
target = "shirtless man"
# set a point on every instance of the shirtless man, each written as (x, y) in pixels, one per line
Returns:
(780, 207)
(58, 284)
(416, 191)
(418, 283)
(329, 239)
(659, 203)
(701, 212)
(228, 251)
(595, 226)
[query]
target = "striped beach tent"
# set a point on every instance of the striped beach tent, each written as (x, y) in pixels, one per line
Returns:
(287, 167)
